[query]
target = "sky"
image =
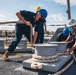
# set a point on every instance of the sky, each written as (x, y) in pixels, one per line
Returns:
(56, 10)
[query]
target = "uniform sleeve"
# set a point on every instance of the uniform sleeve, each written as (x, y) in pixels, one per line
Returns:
(37, 28)
(23, 12)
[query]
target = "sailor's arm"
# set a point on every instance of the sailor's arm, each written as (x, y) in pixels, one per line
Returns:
(70, 50)
(68, 38)
(35, 38)
(22, 19)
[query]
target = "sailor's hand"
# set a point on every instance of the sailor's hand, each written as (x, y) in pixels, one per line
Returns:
(32, 45)
(45, 31)
(28, 23)
(67, 52)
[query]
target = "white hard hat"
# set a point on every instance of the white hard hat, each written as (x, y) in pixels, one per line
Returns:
(71, 22)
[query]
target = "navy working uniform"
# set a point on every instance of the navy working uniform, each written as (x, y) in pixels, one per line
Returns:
(23, 29)
(64, 35)
(27, 18)
(72, 43)
(40, 29)
(61, 37)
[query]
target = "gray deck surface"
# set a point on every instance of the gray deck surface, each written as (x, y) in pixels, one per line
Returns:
(9, 68)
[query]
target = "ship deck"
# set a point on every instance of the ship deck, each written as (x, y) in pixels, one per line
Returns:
(14, 66)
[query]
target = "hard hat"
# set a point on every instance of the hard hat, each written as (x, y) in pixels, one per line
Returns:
(43, 12)
(66, 31)
(71, 22)
(38, 8)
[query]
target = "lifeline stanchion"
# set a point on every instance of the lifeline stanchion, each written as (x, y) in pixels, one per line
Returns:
(58, 25)
(11, 22)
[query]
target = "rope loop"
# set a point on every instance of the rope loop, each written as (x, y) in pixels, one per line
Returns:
(36, 65)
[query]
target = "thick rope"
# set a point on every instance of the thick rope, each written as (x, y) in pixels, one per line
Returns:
(74, 57)
(41, 59)
(36, 65)
(48, 59)
(39, 66)
(64, 69)
(31, 32)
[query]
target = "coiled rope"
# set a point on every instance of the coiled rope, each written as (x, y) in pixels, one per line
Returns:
(64, 69)
(48, 59)
(39, 66)
(42, 59)
(36, 65)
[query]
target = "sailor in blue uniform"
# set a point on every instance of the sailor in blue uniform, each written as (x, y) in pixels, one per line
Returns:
(66, 35)
(72, 23)
(28, 18)
(63, 35)
(40, 30)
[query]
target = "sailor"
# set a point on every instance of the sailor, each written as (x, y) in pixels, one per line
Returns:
(72, 24)
(63, 35)
(40, 29)
(72, 27)
(28, 18)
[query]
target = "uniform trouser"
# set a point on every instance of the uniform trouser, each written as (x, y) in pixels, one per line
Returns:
(20, 30)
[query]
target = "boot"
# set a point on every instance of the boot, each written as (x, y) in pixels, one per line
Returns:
(5, 56)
